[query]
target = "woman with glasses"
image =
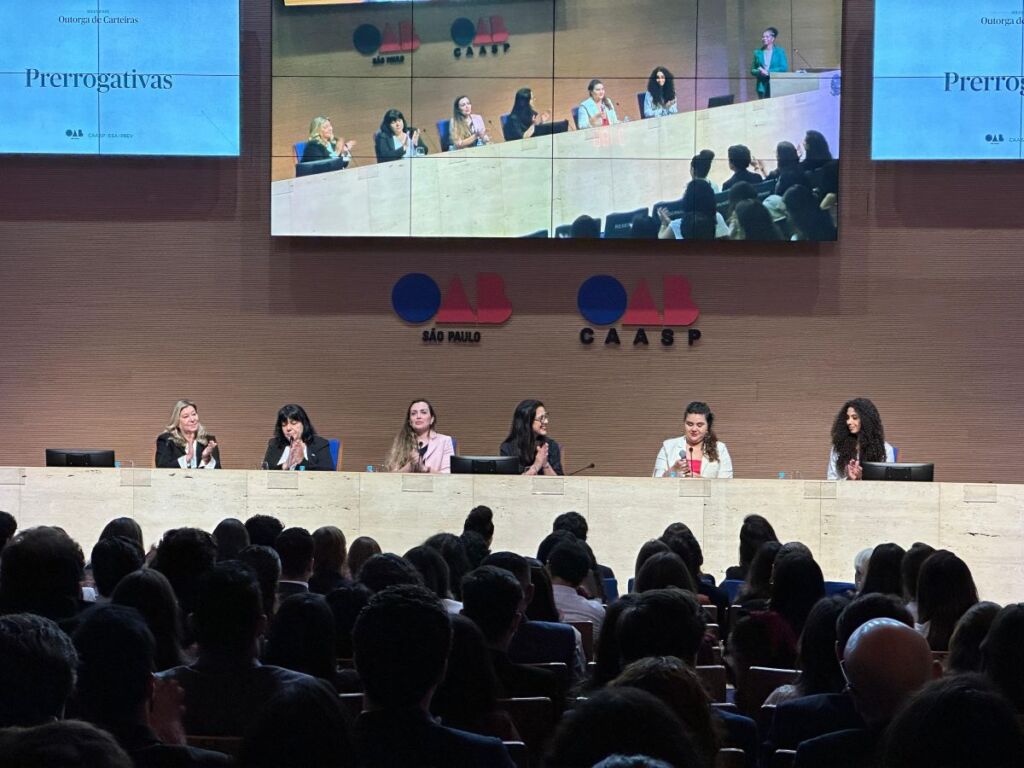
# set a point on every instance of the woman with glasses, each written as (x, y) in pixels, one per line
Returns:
(529, 442)
(698, 452)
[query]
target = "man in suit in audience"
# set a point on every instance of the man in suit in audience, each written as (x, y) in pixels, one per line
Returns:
(568, 565)
(739, 164)
(885, 663)
(295, 548)
(492, 598)
(37, 670)
(401, 642)
(227, 686)
(810, 716)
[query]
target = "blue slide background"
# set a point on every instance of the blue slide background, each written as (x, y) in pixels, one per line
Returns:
(195, 41)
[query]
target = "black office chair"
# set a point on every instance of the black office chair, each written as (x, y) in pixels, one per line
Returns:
(620, 225)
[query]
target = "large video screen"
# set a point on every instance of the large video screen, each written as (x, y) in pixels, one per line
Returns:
(948, 82)
(691, 119)
(119, 77)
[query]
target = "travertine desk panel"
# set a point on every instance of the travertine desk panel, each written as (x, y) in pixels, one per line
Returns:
(984, 524)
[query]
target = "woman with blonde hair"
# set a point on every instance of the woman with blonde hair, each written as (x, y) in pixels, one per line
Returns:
(417, 447)
(322, 144)
(466, 129)
(185, 443)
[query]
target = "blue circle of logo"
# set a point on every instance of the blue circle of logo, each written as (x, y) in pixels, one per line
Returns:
(416, 297)
(463, 31)
(366, 39)
(601, 300)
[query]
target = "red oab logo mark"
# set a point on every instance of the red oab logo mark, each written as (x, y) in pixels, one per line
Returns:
(416, 298)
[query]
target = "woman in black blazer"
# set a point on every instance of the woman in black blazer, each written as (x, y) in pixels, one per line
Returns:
(185, 443)
(396, 140)
(295, 444)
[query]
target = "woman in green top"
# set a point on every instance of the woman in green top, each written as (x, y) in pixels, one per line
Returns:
(767, 59)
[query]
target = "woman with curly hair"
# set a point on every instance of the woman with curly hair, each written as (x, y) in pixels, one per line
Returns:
(857, 435)
(660, 98)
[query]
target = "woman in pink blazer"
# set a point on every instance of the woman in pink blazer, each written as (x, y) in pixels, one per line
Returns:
(417, 447)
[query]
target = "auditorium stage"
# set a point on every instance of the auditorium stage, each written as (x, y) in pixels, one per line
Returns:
(983, 524)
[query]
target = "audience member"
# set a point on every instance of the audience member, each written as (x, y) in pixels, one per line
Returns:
(797, 584)
(806, 218)
(644, 227)
(8, 526)
(552, 540)
(945, 590)
(40, 572)
(267, 565)
(37, 669)
(126, 527)
(816, 654)
(586, 227)
(454, 553)
(1003, 654)
(346, 603)
(965, 643)
(64, 744)
(754, 222)
(434, 572)
(231, 537)
(387, 570)
(755, 531)
(362, 549)
(227, 686)
(910, 568)
(295, 548)
(149, 592)
(693, 556)
(480, 520)
(607, 658)
(113, 559)
(328, 560)
(567, 566)
(739, 162)
(184, 555)
(762, 639)
(475, 547)
(650, 548)
(542, 607)
(402, 639)
(665, 569)
(263, 530)
(756, 590)
(301, 637)
(860, 567)
(883, 574)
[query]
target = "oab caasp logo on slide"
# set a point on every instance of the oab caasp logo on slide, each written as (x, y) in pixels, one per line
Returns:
(417, 299)
(602, 300)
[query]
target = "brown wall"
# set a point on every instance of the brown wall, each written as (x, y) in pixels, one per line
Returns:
(125, 284)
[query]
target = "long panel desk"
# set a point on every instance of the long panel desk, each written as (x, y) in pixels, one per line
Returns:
(983, 524)
(509, 189)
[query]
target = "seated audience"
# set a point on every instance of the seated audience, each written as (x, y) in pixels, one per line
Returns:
(754, 222)
(231, 537)
(37, 669)
(64, 744)
(607, 658)
(454, 553)
(295, 548)
(125, 527)
(40, 572)
(568, 565)
(266, 563)
(816, 151)
(786, 159)
(8, 526)
(816, 654)
(644, 227)
(797, 584)
(362, 549)
(681, 540)
(585, 227)
(227, 686)
(970, 632)
(739, 163)
(910, 569)
(184, 555)
(112, 559)
(700, 219)
(476, 548)
(387, 570)
(301, 637)
(434, 572)
(346, 603)
(754, 532)
(883, 574)
(1003, 654)
(149, 592)
(328, 560)
(806, 218)
(263, 530)
(665, 569)
(762, 639)
(945, 590)
(756, 590)
(402, 639)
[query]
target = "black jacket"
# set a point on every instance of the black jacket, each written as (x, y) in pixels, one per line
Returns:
(318, 455)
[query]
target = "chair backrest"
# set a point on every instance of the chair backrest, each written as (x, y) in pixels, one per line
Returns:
(721, 101)
(731, 587)
(838, 587)
(761, 681)
(640, 103)
(714, 630)
(504, 119)
(538, 233)
(320, 166)
(674, 208)
(376, 149)
(783, 758)
(444, 133)
(563, 231)
(576, 117)
(298, 148)
(611, 589)
(335, 453)
(730, 757)
(559, 668)
(710, 613)
(765, 718)
(620, 225)
(227, 745)
(713, 678)
(353, 702)
(534, 718)
(586, 630)
(519, 753)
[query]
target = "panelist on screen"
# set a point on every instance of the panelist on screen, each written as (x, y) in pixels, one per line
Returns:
(417, 447)
(857, 436)
(394, 140)
(466, 129)
(322, 144)
(185, 443)
(523, 119)
(767, 59)
(698, 452)
(660, 99)
(598, 110)
(295, 444)
(528, 441)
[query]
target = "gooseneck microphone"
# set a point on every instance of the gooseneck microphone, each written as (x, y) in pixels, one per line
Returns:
(591, 465)
(801, 57)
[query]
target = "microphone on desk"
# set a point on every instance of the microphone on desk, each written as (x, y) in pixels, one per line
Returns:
(805, 61)
(591, 465)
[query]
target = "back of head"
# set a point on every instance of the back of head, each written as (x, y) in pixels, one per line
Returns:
(1003, 654)
(8, 525)
(481, 520)
(301, 636)
(515, 564)
(470, 688)
(112, 559)
(266, 564)
(965, 644)
(551, 541)
(37, 667)
(739, 156)
(884, 570)
(754, 532)
(910, 567)
(665, 569)
(699, 198)
(688, 550)
(263, 530)
(816, 648)
(542, 607)
(115, 652)
(662, 622)
(700, 163)
(362, 549)
(945, 590)
(650, 548)
(491, 597)
(328, 549)
(432, 569)
(345, 604)
(624, 721)
(387, 570)
(644, 227)
(608, 662)
(574, 523)
(475, 547)
(683, 531)
(793, 177)
(126, 527)
(761, 639)
(867, 607)
(454, 553)
(231, 537)
(957, 721)
(295, 548)
(755, 222)
(797, 584)
(303, 725)
(759, 575)
(149, 592)
(183, 556)
(587, 227)
(40, 572)
(569, 562)
(228, 610)
(63, 744)
(401, 641)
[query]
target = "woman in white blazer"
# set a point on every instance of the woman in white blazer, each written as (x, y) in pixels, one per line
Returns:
(698, 452)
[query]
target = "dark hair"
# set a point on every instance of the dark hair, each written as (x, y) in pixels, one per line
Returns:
(650, 548)
(231, 537)
(773, 30)
(150, 593)
(965, 645)
(710, 439)
(755, 223)
(183, 556)
(786, 156)
(607, 660)
(301, 636)
(401, 641)
(8, 525)
(328, 550)
(582, 227)
(590, 89)
(481, 520)
(754, 532)
(470, 688)
(515, 564)
(359, 552)
(112, 559)
(797, 584)
(454, 553)
(957, 720)
(661, 94)
(40, 573)
(569, 562)
(644, 227)
(115, 654)
(267, 565)
(759, 576)
(829, 178)
(816, 648)
(791, 177)
(63, 744)
(945, 590)
(521, 107)
(346, 603)
(817, 146)
(662, 622)
(295, 548)
(869, 442)
(760, 639)
(387, 570)
(126, 527)
(491, 597)
(700, 163)
(37, 666)
(883, 574)
(805, 215)
(292, 412)
(738, 192)
(228, 609)
(1003, 653)
(263, 530)
(542, 607)
(385, 128)
(573, 522)
(621, 721)
(910, 568)
(475, 547)
(698, 198)
(862, 609)
(552, 540)
(697, 226)
(664, 569)
(739, 156)
(304, 724)
(432, 569)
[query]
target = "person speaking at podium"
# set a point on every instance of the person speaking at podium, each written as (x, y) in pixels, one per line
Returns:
(417, 447)
(698, 452)
(767, 59)
(857, 435)
(295, 444)
(598, 110)
(185, 443)
(528, 441)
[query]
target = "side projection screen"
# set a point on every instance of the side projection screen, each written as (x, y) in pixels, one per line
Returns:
(485, 119)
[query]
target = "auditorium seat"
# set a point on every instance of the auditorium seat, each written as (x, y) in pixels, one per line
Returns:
(227, 745)
(565, 231)
(575, 117)
(838, 587)
(620, 225)
(335, 453)
(711, 613)
(534, 718)
(759, 682)
(560, 670)
(640, 103)
(783, 758)
(538, 233)
(519, 753)
(352, 702)
(714, 680)
(444, 133)
(586, 630)
(731, 587)
(674, 208)
(320, 166)
(730, 757)
(611, 590)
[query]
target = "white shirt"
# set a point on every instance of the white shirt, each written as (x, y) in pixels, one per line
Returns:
(574, 607)
(197, 454)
